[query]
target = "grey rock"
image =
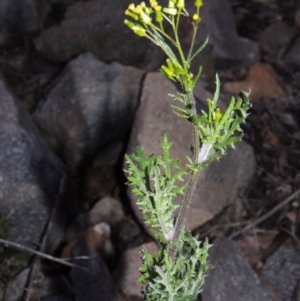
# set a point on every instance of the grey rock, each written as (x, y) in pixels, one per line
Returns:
(128, 271)
(282, 271)
(96, 26)
(106, 210)
(231, 277)
(31, 178)
(292, 58)
(89, 108)
(218, 184)
(250, 50)
(16, 287)
(275, 37)
(95, 282)
(19, 17)
(218, 23)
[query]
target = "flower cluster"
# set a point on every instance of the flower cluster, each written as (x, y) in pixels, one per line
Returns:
(142, 15)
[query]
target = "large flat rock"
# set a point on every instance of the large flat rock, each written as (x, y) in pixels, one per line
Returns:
(231, 277)
(219, 184)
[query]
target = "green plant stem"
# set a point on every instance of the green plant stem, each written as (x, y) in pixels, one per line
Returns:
(195, 29)
(190, 188)
(182, 214)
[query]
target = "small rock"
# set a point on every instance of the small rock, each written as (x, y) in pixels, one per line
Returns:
(231, 277)
(33, 178)
(20, 17)
(126, 231)
(128, 271)
(96, 26)
(99, 180)
(253, 247)
(95, 282)
(292, 58)
(261, 80)
(250, 50)
(89, 109)
(275, 37)
(282, 271)
(97, 238)
(16, 287)
(218, 184)
(107, 210)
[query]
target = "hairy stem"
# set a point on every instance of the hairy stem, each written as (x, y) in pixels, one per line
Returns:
(190, 188)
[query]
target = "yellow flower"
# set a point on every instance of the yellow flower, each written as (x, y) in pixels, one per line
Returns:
(180, 4)
(198, 3)
(196, 18)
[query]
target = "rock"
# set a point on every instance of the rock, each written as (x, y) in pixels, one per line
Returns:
(218, 23)
(281, 270)
(254, 248)
(20, 17)
(107, 210)
(96, 26)
(128, 271)
(100, 180)
(32, 178)
(95, 282)
(275, 37)
(126, 232)
(96, 237)
(292, 58)
(27, 75)
(16, 287)
(89, 109)
(219, 184)
(231, 277)
(250, 50)
(261, 80)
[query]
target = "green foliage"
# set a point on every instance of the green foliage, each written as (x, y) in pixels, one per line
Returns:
(177, 272)
(179, 280)
(155, 185)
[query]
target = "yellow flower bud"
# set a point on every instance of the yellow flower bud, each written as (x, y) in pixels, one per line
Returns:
(153, 3)
(138, 9)
(145, 18)
(180, 4)
(170, 11)
(171, 4)
(139, 30)
(131, 6)
(159, 16)
(129, 23)
(218, 115)
(131, 14)
(167, 72)
(198, 3)
(196, 18)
